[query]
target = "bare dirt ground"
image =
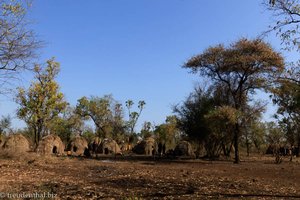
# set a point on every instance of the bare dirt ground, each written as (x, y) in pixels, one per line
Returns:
(78, 178)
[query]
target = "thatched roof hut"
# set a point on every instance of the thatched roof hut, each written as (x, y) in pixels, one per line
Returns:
(78, 146)
(184, 148)
(16, 143)
(147, 146)
(109, 146)
(51, 145)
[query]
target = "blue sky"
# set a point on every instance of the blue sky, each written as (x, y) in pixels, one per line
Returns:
(134, 49)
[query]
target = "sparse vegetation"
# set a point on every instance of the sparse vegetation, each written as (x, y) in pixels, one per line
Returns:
(94, 149)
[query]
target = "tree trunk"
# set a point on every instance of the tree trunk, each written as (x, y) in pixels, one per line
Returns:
(248, 148)
(36, 140)
(236, 144)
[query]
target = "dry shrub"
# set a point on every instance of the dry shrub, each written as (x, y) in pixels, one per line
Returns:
(51, 145)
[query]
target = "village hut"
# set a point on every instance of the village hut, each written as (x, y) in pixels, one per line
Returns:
(78, 146)
(184, 148)
(16, 143)
(109, 146)
(147, 147)
(51, 145)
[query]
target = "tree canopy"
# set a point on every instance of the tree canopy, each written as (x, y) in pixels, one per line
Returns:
(105, 112)
(42, 102)
(241, 68)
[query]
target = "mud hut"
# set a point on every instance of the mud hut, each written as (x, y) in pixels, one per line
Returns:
(51, 145)
(109, 146)
(78, 146)
(184, 148)
(147, 146)
(16, 143)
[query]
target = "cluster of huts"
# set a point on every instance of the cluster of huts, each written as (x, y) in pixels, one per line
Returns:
(78, 146)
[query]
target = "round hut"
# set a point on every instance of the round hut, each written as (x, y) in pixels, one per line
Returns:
(146, 146)
(184, 148)
(109, 146)
(51, 145)
(78, 146)
(16, 143)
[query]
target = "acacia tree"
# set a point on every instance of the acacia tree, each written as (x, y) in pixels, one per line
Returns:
(42, 102)
(17, 41)
(105, 112)
(241, 68)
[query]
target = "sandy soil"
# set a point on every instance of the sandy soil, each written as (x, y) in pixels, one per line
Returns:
(78, 178)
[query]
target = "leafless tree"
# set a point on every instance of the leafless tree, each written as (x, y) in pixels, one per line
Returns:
(18, 42)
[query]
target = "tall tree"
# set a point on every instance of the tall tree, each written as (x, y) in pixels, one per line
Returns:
(287, 97)
(42, 102)
(191, 114)
(241, 68)
(17, 41)
(105, 112)
(287, 93)
(134, 115)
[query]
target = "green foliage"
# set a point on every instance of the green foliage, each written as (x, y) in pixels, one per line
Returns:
(168, 133)
(133, 115)
(191, 114)
(287, 97)
(40, 105)
(88, 134)
(287, 93)
(67, 125)
(274, 135)
(240, 69)
(105, 112)
(221, 121)
(146, 130)
(254, 137)
(5, 124)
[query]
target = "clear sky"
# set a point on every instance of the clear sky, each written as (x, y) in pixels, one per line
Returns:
(134, 49)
